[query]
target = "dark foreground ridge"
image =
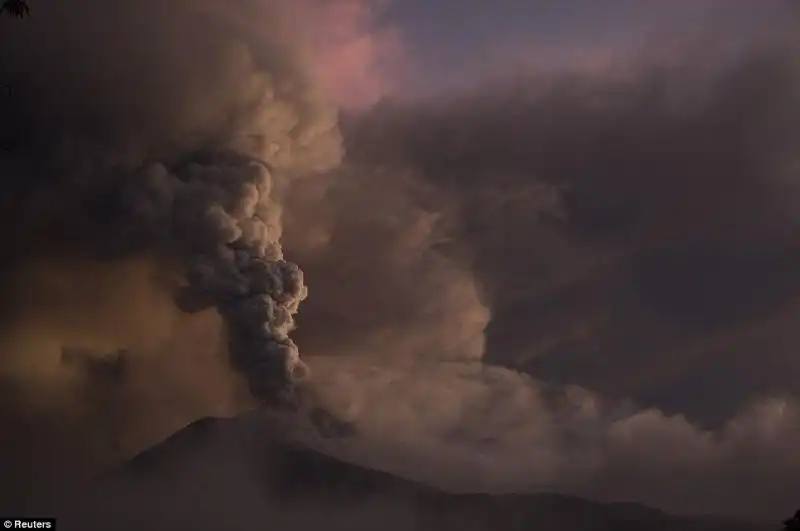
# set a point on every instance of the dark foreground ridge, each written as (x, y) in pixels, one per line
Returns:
(221, 475)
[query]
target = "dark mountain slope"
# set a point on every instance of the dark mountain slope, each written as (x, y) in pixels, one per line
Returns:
(227, 475)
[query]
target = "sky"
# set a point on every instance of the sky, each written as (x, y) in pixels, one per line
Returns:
(422, 47)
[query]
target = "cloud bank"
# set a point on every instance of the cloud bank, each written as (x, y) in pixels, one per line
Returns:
(625, 240)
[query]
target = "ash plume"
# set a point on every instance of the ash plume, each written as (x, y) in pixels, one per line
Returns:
(219, 210)
(145, 152)
(171, 145)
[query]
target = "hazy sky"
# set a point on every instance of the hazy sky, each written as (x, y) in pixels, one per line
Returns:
(450, 43)
(367, 48)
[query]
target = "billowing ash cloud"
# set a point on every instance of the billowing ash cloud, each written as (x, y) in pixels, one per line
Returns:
(171, 144)
(215, 212)
(580, 283)
(631, 230)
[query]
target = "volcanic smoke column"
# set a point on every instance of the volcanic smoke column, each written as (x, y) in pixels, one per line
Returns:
(223, 221)
(164, 159)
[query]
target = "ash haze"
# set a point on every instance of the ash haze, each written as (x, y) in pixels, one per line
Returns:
(578, 277)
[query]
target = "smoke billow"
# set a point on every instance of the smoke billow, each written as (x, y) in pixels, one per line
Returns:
(143, 147)
(631, 230)
(145, 152)
(532, 287)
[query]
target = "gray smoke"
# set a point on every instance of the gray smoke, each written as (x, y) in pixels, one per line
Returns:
(170, 145)
(216, 211)
(631, 231)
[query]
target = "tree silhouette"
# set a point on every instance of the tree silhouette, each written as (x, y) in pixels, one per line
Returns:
(15, 8)
(793, 523)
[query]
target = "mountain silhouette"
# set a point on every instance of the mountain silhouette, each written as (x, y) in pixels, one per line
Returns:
(224, 474)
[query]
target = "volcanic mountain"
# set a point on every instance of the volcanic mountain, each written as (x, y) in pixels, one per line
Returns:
(226, 475)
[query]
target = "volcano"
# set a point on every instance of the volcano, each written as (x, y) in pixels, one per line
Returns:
(224, 474)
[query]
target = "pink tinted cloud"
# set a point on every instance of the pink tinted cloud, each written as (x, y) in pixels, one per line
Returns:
(356, 59)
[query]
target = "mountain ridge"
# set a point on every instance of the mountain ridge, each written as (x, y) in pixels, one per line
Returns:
(222, 474)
